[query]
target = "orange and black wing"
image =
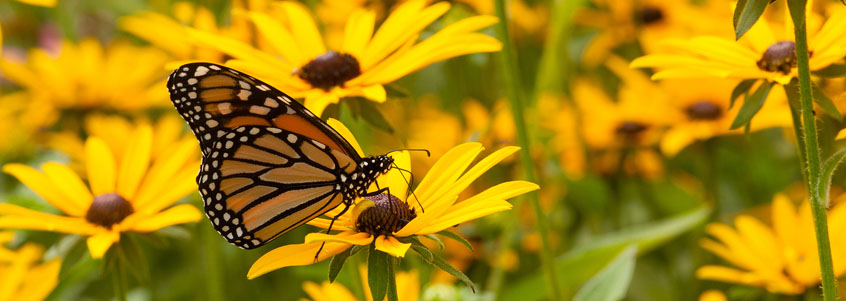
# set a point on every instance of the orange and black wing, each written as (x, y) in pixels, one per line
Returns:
(214, 99)
(258, 182)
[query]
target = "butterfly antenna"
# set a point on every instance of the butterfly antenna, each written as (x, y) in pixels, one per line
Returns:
(428, 154)
(410, 183)
(347, 207)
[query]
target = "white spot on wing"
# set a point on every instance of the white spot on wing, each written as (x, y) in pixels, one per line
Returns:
(202, 70)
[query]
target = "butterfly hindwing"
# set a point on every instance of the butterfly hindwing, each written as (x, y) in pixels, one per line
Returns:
(259, 182)
(214, 98)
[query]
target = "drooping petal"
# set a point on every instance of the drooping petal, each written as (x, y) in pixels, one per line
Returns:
(304, 29)
(294, 255)
(179, 214)
(391, 245)
(99, 243)
(16, 217)
(100, 165)
(43, 186)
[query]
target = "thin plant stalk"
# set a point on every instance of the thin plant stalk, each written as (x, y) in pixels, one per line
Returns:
(515, 95)
(812, 151)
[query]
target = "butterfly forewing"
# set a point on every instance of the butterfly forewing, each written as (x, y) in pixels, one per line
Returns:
(213, 98)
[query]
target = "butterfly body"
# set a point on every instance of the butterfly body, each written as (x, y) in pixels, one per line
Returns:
(269, 165)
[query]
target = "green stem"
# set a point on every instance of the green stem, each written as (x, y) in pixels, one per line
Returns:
(118, 274)
(392, 279)
(515, 93)
(812, 152)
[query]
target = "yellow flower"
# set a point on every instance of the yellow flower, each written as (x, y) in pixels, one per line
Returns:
(301, 66)
(782, 257)
(21, 119)
(703, 112)
(625, 22)
(763, 52)
(561, 119)
(167, 131)
(437, 193)
(24, 278)
(90, 76)
(527, 20)
(408, 288)
(169, 34)
(128, 193)
(633, 124)
(712, 295)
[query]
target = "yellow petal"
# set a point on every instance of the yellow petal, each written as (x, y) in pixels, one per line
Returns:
(398, 180)
(375, 93)
(135, 161)
(327, 292)
(44, 187)
(724, 274)
(161, 176)
(99, 243)
(181, 184)
(40, 281)
(304, 29)
(712, 295)
(179, 214)
(317, 101)
(347, 237)
(345, 132)
(357, 33)
(100, 165)
(68, 183)
(432, 211)
(294, 255)
(477, 170)
(391, 245)
(446, 170)
(16, 217)
(280, 38)
(405, 22)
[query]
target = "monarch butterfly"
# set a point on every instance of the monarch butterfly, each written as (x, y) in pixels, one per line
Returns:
(269, 164)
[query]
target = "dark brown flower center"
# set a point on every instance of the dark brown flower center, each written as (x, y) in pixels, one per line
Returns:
(388, 216)
(648, 15)
(108, 209)
(779, 57)
(630, 128)
(704, 110)
(330, 69)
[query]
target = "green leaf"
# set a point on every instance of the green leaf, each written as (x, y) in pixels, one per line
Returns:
(833, 70)
(435, 239)
(738, 9)
(582, 262)
(377, 273)
(456, 237)
(741, 89)
(612, 282)
(392, 279)
(337, 263)
(750, 11)
(826, 104)
(422, 250)
(797, 11)
(374, 117)
(829, 167)
(751, 105)
(442, 264)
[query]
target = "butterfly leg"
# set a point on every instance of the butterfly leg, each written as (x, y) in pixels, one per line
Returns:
(346, 207)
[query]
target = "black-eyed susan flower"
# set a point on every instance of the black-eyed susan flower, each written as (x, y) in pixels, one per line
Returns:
(133, 192)
(169, 33)
(25, 276)
(385, 218)
(703, 111)
(766, 51)
(408, 288)
(168, 130)
(628, 128)
(781, 257)
(89, 76)
(21, 119)
(301, 65)
(626, 22)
